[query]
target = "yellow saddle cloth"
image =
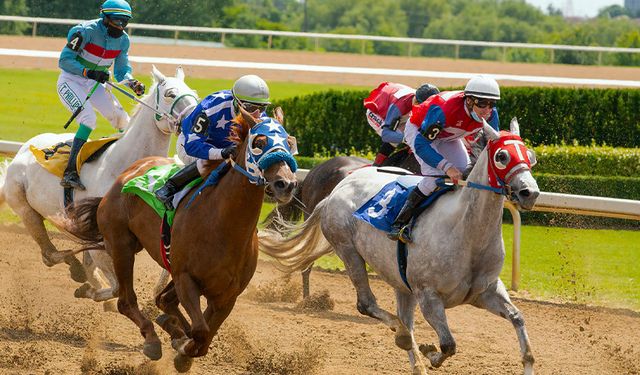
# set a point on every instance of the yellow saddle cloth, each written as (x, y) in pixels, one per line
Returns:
(55, 158)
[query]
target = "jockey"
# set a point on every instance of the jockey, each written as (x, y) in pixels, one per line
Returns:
(388, 105)
(435, 131)
(206, 130)
(92, 47)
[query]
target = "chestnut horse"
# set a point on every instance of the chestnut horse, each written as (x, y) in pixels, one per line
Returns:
(214, 245)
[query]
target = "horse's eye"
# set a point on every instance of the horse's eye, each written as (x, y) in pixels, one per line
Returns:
(501, 159)
(258, 144)
(171, 93)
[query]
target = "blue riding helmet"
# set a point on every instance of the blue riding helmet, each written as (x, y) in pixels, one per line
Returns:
(115, 8)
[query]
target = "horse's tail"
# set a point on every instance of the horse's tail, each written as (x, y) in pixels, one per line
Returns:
(3, 176)
(299, 245)
(81, 221)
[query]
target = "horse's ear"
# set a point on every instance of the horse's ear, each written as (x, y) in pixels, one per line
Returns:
(278, 114)
(489, 132)
(514, 126)
(247, 117)
(293, 144)
(159, 77)
(180, 73)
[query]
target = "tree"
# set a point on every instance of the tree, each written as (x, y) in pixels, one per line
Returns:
(613, 11)
(13, 8)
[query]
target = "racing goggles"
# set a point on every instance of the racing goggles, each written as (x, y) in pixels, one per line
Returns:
(252, 107)
(119, 21)
(484, 103)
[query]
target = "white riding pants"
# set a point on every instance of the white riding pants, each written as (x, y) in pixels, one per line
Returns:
(72, 91)
(452, 150)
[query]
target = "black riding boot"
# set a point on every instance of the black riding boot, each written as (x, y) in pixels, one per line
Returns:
(176, 183)
(71, 179)
(401, 230)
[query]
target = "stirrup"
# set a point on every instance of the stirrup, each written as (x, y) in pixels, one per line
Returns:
(402, 234)
(72, 180)
(165, 196)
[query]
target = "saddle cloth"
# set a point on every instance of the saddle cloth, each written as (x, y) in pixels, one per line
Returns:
(382, 210)
(55, 158)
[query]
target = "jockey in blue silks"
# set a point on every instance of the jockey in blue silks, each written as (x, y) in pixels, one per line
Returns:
(206, 130)
(435, 133)
(92, 47)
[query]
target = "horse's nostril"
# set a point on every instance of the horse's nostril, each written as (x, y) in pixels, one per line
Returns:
(279, 185)
(525, 193)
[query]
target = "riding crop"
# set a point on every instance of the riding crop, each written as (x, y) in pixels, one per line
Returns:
(131, 96)
(79, 109)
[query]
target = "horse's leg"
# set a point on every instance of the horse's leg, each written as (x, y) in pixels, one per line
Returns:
(433, 311)
(34, 222)
(94, 289)
(122, 246)
(305, 281)
(172, 321)
(189, 295)
(496, 300)
(406, 307)
(367, 304)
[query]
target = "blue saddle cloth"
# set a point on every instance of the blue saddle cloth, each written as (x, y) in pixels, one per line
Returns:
(382, 210)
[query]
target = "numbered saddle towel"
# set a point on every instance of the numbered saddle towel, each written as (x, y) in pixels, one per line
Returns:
(55, 158)
(382, 210)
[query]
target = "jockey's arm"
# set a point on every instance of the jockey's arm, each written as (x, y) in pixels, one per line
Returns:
(389, 135)
(121, 67)
(77, 38)
(195, 137)
(494, 120)
(423, 147)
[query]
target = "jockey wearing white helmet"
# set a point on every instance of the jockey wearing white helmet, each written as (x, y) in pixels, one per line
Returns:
(435, 133)
(92, 47)
(205, 132)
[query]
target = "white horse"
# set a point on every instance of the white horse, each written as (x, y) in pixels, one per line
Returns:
(456, 256)
(34, 193)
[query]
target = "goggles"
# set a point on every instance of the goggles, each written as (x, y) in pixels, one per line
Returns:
(252, 107)
(119, 21)
(484, 103)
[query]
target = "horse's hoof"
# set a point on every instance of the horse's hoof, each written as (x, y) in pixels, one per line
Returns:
(58, 257)
(47, 262)
(404, 342)
(110, 306)
(76, 269)
(182, 363)
(81, 291)
(419, 370)
(153, 350)
(427, 349)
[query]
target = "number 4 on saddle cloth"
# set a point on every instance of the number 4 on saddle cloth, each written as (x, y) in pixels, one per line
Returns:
(382, 210)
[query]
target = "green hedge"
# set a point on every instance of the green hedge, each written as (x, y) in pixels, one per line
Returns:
(333, 121)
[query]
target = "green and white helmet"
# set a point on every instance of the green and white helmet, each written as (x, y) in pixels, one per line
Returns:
(251, 89)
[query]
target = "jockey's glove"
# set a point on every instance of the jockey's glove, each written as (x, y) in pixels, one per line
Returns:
(229, 151)
(96, 75)
(137, 86)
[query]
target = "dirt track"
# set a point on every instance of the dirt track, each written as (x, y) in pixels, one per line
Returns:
(44, 330)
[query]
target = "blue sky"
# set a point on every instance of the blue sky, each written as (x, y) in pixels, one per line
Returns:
(581, 8)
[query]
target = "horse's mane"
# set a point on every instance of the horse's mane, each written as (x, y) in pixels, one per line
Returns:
(239, 130)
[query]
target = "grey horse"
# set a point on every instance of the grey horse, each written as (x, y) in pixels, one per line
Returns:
(455, 259)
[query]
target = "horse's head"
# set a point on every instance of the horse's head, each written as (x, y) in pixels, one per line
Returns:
(268, 154)
(171, 96)
(509, 165)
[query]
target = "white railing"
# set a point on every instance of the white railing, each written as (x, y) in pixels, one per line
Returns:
(317, 36)
(546, 202)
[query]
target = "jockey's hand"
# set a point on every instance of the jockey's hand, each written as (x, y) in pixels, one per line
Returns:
(97, 75)
(454, 174)
(230, 151)
(137, 86)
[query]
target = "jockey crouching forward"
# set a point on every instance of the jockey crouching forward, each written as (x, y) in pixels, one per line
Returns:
(206, 130)
(389, 105)
(435, 131)
(92, 47)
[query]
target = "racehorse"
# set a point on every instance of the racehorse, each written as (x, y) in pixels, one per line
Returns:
(214, 244)
(319, 183)
(456, 256)
(34, 193)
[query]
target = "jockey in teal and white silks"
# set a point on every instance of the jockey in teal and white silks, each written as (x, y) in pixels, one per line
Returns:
(435, 133)
(92, 47)
(206, 130)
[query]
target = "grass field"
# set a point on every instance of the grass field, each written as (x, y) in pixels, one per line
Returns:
(31, 105)
(585, 266)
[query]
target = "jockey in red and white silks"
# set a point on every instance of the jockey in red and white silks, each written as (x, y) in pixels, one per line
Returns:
(435, 133)
(388, 107)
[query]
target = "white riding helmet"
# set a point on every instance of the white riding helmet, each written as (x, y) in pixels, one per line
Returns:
(251, 89)
(482, 87)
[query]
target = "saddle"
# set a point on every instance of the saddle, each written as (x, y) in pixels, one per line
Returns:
(55, 158)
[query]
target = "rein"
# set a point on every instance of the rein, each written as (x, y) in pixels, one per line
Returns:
(503, 190)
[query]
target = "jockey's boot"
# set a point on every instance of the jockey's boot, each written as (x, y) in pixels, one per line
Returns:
(380, 158)
(400, 230)
(71, 179)
(176, 183)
